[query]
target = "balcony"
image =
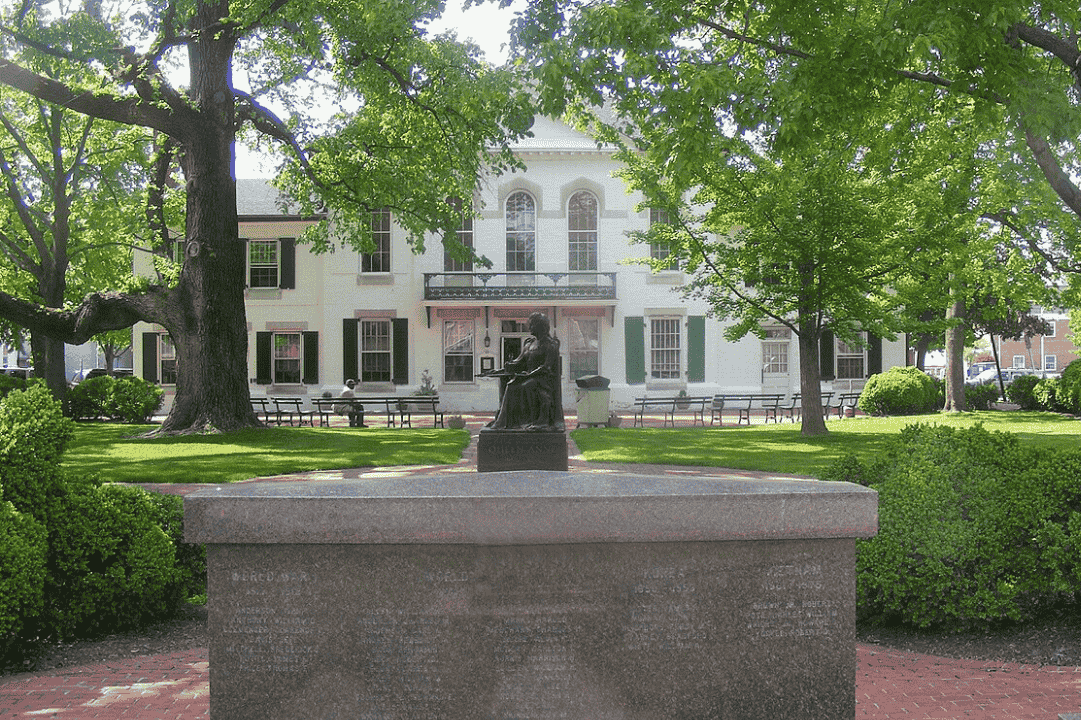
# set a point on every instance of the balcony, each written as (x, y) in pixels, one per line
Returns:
(490, 287)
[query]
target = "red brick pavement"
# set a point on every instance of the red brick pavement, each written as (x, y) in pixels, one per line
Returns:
(889, 683)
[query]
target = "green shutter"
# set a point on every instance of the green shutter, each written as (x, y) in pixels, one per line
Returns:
(311, 357)
(634, 343)
(350, 340)
(696, 348)
(263, 344)
(874, 354)
(150, 357)
(287, 280)
(400, 374)
(826, 365)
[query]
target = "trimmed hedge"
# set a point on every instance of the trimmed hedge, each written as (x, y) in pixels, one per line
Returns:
(125, 399)
(900, 391)
(33, 436)
(1022, 392)
(973, 528)
(23, 549)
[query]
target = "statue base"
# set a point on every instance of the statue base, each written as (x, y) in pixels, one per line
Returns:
(504, 450)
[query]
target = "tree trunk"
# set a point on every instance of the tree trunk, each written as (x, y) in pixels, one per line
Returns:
(204, 315)
(810, 385)
(955, 355)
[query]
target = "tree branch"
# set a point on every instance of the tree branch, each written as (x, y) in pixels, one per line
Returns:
(98, 312)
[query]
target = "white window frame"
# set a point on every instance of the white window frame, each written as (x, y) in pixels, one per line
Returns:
(848, 355)
(584, 347)
(375, 339)
(166, 359)
(378, 262)
(1018, 361)
(776, 347)
(1054, 328)
(658, 251)
(459, 343)
(582, 224)
(264, 265)
(665, 347)
(521, 233)
(1050, 362)
(287, 353)
(465, 237)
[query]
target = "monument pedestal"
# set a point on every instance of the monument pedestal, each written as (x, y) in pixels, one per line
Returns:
(506, 450)
(532, 595)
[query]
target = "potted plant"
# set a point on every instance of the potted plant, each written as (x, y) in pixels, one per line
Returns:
(685, 403)
(456, 421)
(614, 420)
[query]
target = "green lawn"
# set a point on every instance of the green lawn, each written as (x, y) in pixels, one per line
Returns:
(115, 454)
(781, 448)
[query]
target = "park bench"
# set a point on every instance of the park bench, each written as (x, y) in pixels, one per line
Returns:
(419, 403)
(292, 406)
(744, 404)
(845, 400)
(794, 411)
(669, 405)
(261, 406)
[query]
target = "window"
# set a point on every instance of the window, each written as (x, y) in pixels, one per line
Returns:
(375, 345)
(458, 351)
(582, 227)
(664, 344)
(1054, 328)
(849, 361)
(1050, 362)
(660, 251)
(379, 260)
(775, 351)
(465, 237)
(584, 347)
(167, 358)
(521, 233)
(1018, 361)
(263, 263)
(286, 358)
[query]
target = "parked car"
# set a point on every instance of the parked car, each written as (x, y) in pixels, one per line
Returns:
(98, 372)
(19, 372)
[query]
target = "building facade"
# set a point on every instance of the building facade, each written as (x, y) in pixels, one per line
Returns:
(1049, 353)
(557, 236)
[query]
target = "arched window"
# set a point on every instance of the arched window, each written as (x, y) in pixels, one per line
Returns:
(521, 233)
(582, 231)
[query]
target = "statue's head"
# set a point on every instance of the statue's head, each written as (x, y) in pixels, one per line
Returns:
(539, 325)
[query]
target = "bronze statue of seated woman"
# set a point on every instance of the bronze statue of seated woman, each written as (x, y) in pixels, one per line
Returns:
(531, 393)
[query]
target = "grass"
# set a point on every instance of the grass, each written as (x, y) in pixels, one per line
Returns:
(780, 448)
(114, 453)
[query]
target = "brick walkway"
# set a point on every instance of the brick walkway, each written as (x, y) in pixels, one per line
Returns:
(889, 683)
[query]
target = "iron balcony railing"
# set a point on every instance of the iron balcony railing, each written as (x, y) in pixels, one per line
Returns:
(491, 286)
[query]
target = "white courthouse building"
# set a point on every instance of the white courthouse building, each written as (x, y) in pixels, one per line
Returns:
(557, 234)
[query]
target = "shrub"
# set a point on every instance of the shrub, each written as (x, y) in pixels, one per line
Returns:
(126, 399)
(1022, 392)
(9, 383)
(980, 397)
(22, 570)
(33, 436)
(973, 528)
(1068, 396)
(190, 558)
(110, 566)
(899, 391)
(1046, 394)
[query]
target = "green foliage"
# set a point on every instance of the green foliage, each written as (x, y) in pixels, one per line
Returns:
(22, 570)
(110, 565)
(33, 436)
(1022, 392)
(1046, 394)
(899, 391)
(190, 558)
(9, 383)
(973, 528)
(1068, 396)
(126, 399)
(980, 397)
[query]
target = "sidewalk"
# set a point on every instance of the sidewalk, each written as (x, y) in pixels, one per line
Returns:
(889, 683)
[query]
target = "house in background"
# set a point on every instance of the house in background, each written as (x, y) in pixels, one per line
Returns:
(557, 235)
(1044, 353)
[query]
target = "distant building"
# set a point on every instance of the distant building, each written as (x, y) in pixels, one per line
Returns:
(557, 234)
(1048, 353)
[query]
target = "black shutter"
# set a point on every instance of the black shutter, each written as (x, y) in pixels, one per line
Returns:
(150, 357)
(311, 357)
(288, 254)
(400, 374)
(826, 364)
(263, 343)
(350, 361)
(874, 354)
